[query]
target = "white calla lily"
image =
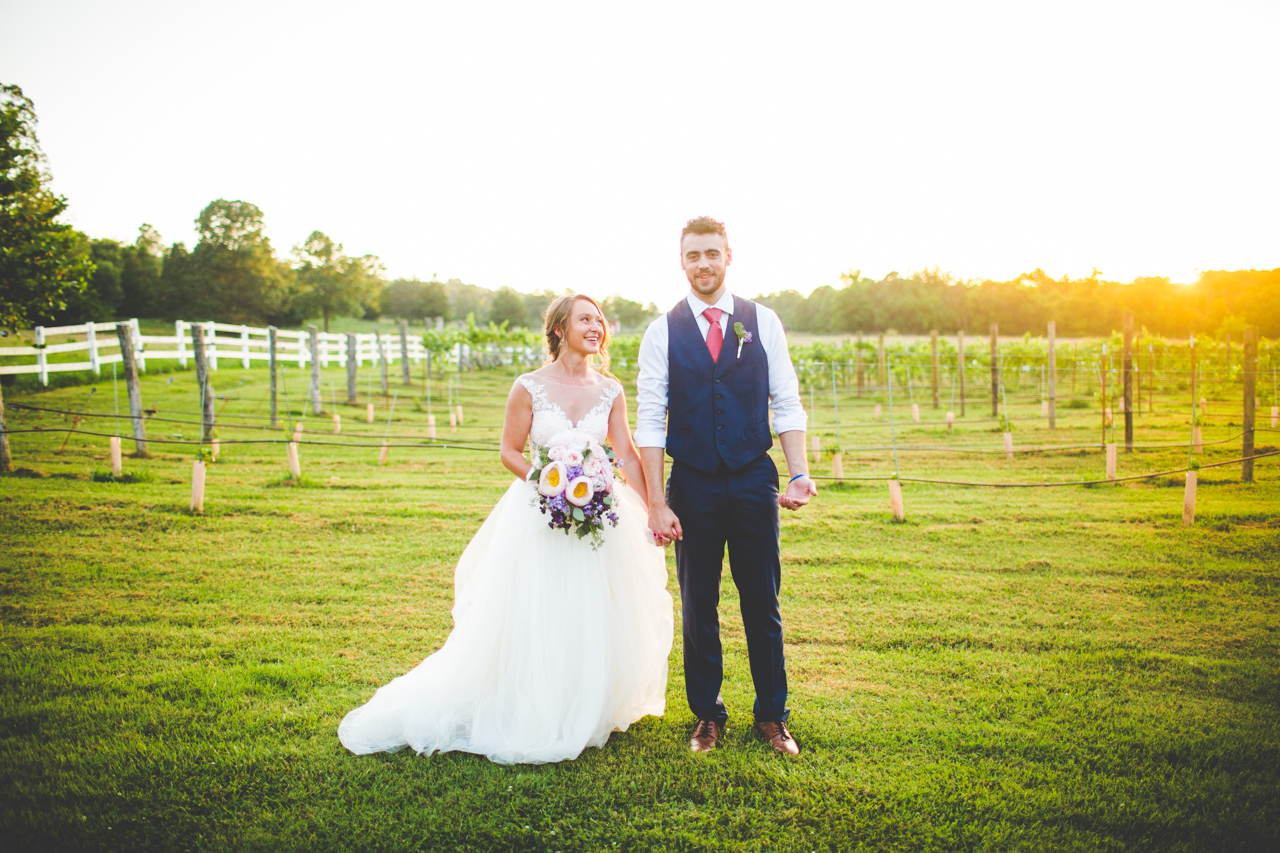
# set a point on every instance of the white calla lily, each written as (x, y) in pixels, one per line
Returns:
(553, 479)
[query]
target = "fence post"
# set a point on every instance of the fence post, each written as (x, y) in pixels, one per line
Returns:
(1127, 366)
(933, 342)
(884, 368)
(91, 337)
(382, 358)
(1250, 370)
(995, 370)
(182, 342)
(139, 350)
(353, 360)
(404, 350)
(124, 333)
(271, 366)
(313, 343)
(210, 346)
(202, 381)
(244, 346)
(6, 460)
(41, 362)
(960, 365)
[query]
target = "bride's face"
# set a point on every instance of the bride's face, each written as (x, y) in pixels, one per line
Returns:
(584, 332)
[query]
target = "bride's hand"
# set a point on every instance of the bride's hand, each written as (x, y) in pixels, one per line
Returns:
(664, 524)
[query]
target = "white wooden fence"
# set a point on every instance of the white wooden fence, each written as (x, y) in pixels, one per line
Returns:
(225, 341)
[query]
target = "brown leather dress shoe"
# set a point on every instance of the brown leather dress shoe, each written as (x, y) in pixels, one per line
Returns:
(706, 736)
(776, 734)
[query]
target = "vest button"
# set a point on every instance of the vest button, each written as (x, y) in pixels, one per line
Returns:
(719, 396)
(719, 426)
(719, 411)
(717, 381)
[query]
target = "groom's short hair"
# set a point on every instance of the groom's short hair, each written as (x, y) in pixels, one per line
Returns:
(704, 225)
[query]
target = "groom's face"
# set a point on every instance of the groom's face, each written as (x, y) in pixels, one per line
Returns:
(704, 258)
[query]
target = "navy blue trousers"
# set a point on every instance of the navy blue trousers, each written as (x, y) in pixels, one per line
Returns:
(739, 509)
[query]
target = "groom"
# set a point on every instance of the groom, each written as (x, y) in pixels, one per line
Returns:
(711, 367)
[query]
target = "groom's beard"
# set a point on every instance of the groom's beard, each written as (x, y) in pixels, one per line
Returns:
(707, 286)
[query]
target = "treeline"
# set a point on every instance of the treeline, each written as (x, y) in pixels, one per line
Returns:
(233, 275)
(1218, 302)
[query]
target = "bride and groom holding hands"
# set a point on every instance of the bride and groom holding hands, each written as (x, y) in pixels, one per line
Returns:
(559, 641)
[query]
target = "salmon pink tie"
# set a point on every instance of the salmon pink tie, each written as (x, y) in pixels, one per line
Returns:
(715, 335)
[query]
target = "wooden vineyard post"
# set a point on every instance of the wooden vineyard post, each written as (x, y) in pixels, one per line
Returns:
(202, 382)
(933, 344)
(1250, 370)
(995, 370)
(1051, 377)
(313, 344)
(857, 359)
(1127, 367)
(960, 367)
(6, 458)
(404, 350)
(1106, 408)
(272, 368)
(353, 363)
(124, 333)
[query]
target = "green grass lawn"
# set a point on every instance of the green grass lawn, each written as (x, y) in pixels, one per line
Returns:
(1011, 669)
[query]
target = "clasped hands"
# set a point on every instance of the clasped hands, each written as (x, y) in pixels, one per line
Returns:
(666, 529)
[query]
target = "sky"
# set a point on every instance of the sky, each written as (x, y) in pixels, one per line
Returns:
(558, 145)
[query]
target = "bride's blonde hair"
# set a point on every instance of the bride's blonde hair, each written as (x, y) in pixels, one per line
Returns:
(556, 317)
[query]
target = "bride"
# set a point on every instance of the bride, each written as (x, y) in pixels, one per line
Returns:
(555, 644)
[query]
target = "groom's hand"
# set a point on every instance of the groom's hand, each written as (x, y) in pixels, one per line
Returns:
(664, 524)
(797, 493)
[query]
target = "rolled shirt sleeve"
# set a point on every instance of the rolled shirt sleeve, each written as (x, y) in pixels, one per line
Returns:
(651, 386)
(784, 385)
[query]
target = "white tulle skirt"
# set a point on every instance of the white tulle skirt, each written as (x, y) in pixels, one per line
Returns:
(554, 645)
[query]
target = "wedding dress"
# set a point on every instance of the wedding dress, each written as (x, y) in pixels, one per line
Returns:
(555, 645)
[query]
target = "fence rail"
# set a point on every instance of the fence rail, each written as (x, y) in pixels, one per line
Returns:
(225, 342)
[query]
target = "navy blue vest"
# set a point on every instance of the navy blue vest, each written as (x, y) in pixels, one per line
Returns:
(717, 411)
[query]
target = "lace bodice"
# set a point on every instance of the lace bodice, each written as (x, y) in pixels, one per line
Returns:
(558, 407)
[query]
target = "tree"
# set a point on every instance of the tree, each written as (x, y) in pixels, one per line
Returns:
(329, 283)
(101, 299)
(411, 299)
(629, 314)
(232, 275)
(140, 270)
(42, 261)
(508, 307)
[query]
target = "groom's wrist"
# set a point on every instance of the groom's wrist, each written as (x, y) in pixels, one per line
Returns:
(797, 477)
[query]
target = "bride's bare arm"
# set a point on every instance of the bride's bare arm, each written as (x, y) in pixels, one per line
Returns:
(624, 448)
(516, 424)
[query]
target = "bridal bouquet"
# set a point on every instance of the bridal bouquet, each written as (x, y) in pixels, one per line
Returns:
(574, 476)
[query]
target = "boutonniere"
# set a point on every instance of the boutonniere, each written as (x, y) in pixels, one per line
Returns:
(744, 337)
